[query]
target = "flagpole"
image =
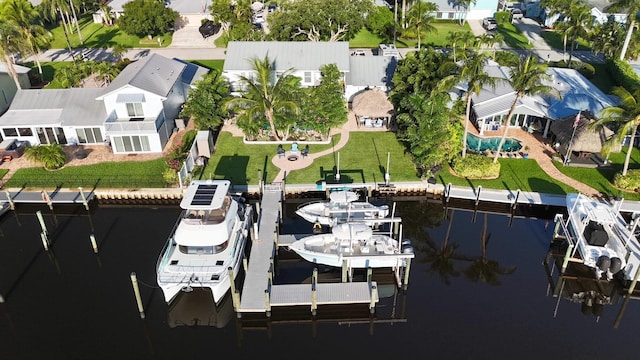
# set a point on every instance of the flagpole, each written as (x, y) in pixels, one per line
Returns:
(567, 157)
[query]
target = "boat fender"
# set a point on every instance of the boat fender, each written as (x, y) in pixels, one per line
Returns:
(603, 263)
(317, 228)
(616, 265)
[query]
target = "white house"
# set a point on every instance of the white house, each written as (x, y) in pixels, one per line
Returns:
(304, 58)
(134, 114)
(600, 15)
(191, 12)
(491, 105)
(8, 86)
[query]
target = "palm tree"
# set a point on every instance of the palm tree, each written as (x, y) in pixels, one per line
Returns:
(455, 38)
(9, 44)
(51, 156)
(626, 116)
(26, 18)
(632, 7)
(421, 17)
(526, 78)
(465, 4)
(473, 74)
(51, 10)
(579, 24)
(264, 98)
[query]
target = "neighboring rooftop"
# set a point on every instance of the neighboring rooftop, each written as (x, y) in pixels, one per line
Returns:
(371, 70)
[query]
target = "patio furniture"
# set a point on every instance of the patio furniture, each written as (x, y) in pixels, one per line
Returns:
(294, 148)
(305, 152)
(280, 151)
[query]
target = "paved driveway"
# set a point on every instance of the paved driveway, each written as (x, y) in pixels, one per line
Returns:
(188, 36)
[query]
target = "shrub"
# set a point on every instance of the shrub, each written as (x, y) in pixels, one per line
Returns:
(476, 167)
(623, 74)
(50, 156)
(630, 182)
(170, 176)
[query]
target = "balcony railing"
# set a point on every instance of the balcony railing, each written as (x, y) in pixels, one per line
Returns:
(114, 124)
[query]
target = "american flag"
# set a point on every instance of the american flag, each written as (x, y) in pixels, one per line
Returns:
(575, 123)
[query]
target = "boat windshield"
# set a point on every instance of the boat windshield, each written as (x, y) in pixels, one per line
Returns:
(203, 250)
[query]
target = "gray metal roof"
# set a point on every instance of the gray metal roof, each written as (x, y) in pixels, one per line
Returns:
(62, 107)
(192, 72)
(285, 55)
(154, 73)
(19, 68)
(371, 70)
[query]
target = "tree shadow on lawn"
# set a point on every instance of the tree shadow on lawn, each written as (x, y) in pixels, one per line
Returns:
(102, 40)
(233, 168)
(346, 176)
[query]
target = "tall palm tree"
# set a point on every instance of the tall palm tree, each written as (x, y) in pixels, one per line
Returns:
(75, 18)
(579, 24)
(421, 17)
(472, 73)
(26, 18)
(51, 10)
(455, 38)
(266, 98)
(10, 43)
(632, 7)
(626, 117)
(528, 77)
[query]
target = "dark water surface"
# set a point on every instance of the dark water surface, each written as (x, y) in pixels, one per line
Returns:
(69, 303)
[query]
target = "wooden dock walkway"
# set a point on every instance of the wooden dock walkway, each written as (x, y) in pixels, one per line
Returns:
(258, 292)
(46, 197)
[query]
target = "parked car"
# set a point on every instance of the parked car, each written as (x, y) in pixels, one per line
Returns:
(209, 29)
(489, 23)
(516, 14)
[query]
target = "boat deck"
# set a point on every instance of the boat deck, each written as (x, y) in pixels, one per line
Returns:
(259, 295)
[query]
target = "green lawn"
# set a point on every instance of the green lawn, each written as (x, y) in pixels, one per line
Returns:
(556, 41)
(365, 39)
(49, 70)
(240, 162)
(602, 79)
(131, 174)
(101, 36)
(513, 37)
(363, 159)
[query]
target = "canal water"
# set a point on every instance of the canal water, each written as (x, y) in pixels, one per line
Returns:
(477, 290)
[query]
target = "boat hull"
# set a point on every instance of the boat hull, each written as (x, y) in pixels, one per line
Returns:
(352, 245)
(179, 271)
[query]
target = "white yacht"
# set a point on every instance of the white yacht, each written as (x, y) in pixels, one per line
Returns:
(342, 206)
(357, 244)
(602, 237)
(207, 240)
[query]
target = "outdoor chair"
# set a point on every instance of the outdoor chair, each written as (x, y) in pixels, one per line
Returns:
(305, 151)
(294, 148)
(280, 151)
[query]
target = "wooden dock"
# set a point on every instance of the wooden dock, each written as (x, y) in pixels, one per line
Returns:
(49, 198)
(259, 293)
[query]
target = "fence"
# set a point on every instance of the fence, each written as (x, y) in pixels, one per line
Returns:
(184, 175)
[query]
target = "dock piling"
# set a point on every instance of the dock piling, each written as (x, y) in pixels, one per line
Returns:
(314, 295)
(12, 206)
(94, 245)
(84, 198)
(374, 295)
(136, 291)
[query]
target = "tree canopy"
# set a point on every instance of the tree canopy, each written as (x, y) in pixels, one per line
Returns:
(318, 20)
(147, 17)
(204, 104)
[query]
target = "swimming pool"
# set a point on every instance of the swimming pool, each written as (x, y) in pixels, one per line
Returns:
(481, 144)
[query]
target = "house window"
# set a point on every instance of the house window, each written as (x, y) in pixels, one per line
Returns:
(10, 132)
(307, 77)
(89, 136)
(25, 131)
(134, 109)
(124, 144)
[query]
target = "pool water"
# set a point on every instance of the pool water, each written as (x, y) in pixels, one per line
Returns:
(481, 144)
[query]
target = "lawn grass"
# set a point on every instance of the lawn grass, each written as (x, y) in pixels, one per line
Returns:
(124, 174)
(601, 178)
(513, 38)
(523, 174)
(363, 159)
(49, 70)
(102, 36)
(365, 39)
(240, 162)
(209, 64)
(556, 41)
